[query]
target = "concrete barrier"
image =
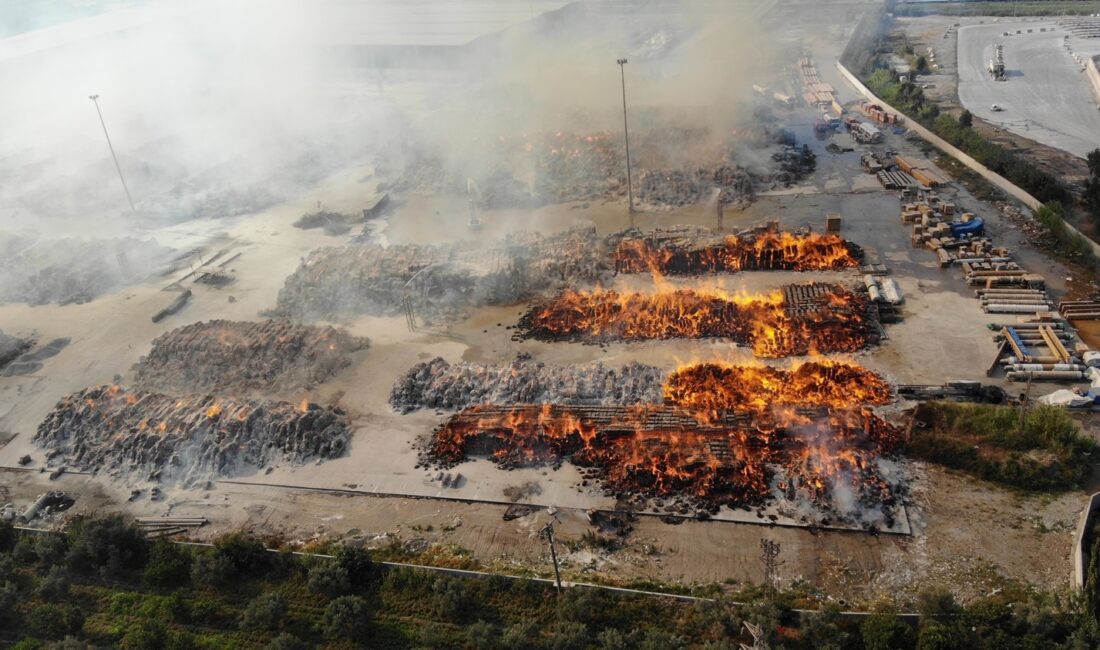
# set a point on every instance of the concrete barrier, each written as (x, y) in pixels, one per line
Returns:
(1093, 72)
(1002, 183)
(1080, 551)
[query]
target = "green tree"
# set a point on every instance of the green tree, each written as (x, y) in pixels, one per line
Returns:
(346, 617)
(1093, 159)
(966, 119)
(937, 636)
(483, 636)
(936, 601)
(329, 579)
(524, 635)
(169, 565)
(285, 641)
(55, 585)
(357, 564)
(885, 631)
(264, 612)
(108, 546)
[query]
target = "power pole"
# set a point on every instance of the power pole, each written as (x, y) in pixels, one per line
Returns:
(626, 137)
(95, 100)
(548, 532)
(770, 558)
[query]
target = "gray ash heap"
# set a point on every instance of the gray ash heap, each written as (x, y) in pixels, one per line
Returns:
(442, 281)
(223, 356)
(65, 271)
(438, 384)
(137, 436)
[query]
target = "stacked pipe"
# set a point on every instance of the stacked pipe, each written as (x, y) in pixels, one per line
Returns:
(1057, 365)
(1014, 301)
(883, 289)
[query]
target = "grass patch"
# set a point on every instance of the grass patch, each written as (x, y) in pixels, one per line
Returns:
(1047, 453)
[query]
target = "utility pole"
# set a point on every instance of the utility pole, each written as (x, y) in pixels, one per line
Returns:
(626, 137)
(95, 100)
(548, 532)
(770, 558)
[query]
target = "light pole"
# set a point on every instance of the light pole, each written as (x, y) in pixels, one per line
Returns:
(626, 137)
(95, 100)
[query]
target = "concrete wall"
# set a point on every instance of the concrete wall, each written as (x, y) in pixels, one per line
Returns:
(996, 179)
(1080, 553)
(1092, 69)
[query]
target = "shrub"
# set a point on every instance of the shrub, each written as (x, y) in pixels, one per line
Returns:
(108, 546)
(7, 536)
(524, 635)
(329, 579)
(55, 586)
(346, 617)
(210, 568)
(450, 598)
(264, 612)
(483, 636)
(169, 565)
(144, 635)
(50, 549)
(566, 635)
(357, 564)
(23, 553)
(885, 631)
(285, 641)
(54, 621)
(9, 596)
(247, 554)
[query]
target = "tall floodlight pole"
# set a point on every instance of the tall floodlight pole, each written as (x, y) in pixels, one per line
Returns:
(626, 137)
(95, 100)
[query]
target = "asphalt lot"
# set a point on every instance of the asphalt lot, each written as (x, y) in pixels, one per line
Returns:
(1046, 97)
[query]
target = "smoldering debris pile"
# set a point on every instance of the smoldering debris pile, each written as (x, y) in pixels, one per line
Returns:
(437, 281)
(12, 347)
(138, 435)
(333, 223)
(438, 384)
(794, 164)
(236, 357)
(676, 188)
(64, 271)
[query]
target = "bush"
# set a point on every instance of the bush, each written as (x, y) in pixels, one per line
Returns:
(144, 635)
(7, 536)
(885, 631)
(936, 601)
(329, 579)
(247, 554)
(346, 617)
(9, 596)
(210, 568)
(169, 565)
(54, 621)
(264, 612)
(357, 564)
(450, 598)
(285, 641)
(23, 553)
(108, 546)
(55, 586)
(50, 549)
(524, 635)
(565, 635)
(483, 636)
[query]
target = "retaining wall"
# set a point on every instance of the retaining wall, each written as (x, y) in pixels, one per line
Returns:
(1092, 69)
(1080, 551)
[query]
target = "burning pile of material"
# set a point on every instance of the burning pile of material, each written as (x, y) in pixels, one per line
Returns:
(138, 435)
(798, 320)
(711, 388)
(438, 384)
(685, 252)
(228, 356)
(437, 281)
(828, 457)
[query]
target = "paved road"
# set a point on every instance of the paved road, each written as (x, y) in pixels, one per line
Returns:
(1046, 98)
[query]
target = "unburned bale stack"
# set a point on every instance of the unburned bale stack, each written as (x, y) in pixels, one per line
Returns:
(438, 384)
(150, 436)
(222, 356)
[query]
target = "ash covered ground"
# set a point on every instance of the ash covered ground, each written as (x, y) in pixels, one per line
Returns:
(40, 271)
(233, 357)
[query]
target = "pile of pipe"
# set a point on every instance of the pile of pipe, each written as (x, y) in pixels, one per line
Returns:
(438, 384)
(1018, 300)
(137, 436)
(883, 290)
(236, 357)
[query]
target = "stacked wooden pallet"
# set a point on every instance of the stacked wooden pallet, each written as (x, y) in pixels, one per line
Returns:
(1079, 309)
